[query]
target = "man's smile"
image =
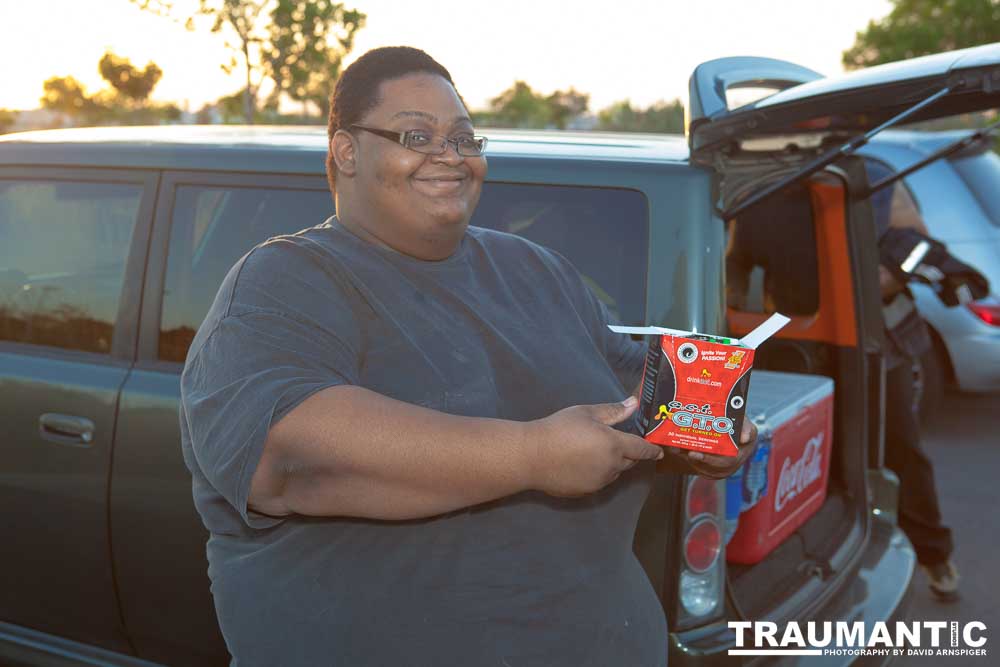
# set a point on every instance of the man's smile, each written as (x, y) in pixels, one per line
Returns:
(440, 183)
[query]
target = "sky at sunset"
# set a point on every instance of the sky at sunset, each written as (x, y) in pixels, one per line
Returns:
(643, 51)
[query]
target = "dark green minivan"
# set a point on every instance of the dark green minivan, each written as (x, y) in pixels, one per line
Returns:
(114, 241)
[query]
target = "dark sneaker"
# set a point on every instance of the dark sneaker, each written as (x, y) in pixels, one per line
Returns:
(943, 580)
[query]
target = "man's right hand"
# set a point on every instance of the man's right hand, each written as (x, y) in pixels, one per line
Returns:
(576, 452)
(888, 285)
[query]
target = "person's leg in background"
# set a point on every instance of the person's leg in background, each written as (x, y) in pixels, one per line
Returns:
(919, 511)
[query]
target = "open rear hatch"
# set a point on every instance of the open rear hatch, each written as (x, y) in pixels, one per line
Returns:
(956, 82)
(786, 159)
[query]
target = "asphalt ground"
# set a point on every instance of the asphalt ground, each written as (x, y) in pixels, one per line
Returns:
(963, 441)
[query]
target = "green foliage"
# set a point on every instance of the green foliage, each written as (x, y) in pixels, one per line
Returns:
(520, 106)
(7, 120)
(921, 27)
(566, 105)
(230, 107)
(132, 84)
(306, 68)
(240, 20)
(66, 95)
(299, 44)
(662, 117)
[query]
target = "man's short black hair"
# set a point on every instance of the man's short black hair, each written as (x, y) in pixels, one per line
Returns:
(357, 89)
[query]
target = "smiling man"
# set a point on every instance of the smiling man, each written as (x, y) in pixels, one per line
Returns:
(396, 460)
(404, 199)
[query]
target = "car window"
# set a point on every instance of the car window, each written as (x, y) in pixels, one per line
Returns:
(603, 232)
(982, 174)
(63, 246)
(211, 228)
(772, 258)
(894, 205)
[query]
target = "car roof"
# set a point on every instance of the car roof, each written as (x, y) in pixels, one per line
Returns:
(295, 149)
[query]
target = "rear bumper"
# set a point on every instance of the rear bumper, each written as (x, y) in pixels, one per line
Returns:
(880, 591)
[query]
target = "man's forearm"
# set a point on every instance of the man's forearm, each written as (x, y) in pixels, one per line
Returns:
(348, 451)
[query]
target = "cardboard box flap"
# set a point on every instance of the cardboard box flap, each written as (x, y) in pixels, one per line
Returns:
(752, 340)
(770, 327)
(648, 331)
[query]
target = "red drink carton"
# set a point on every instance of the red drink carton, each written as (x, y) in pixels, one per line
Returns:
(694, 386)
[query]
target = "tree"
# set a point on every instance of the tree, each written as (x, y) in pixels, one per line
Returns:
(520, 106)
(308, 40)
(67, 95)
(660, 117)
(240, 19)
(7, 120)
(132, 85)
(125, 103)
(920, 27)
(302, 30)
(230, 107)
(564, 106)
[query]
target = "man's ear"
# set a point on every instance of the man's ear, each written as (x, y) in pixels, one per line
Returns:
(343, 148)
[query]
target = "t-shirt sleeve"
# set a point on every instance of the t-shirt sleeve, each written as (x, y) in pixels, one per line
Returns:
(252, 370)
(624, 355)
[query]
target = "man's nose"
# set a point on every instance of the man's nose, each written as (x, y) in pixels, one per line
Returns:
(450, 155)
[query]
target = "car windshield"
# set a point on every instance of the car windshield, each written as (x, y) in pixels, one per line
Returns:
(982, 174)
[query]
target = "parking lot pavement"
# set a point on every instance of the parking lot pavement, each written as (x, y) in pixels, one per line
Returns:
(963, 440)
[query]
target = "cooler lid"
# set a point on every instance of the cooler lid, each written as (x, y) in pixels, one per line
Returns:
(776, 397)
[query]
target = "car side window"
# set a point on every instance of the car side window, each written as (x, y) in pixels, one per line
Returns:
(211, 228)
(63, 247)
(603, 232)
(982, 175)
(771, 256)
(894, 205)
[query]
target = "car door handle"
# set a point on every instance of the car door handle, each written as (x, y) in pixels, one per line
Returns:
(66, 429)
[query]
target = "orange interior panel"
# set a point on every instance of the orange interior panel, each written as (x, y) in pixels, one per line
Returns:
(835, 322)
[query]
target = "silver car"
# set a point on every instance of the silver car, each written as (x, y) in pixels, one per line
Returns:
(959, 199)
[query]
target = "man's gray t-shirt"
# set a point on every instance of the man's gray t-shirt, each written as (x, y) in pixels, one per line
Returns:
(503, 328)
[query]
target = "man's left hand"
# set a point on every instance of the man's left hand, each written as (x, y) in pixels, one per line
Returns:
(714, 466)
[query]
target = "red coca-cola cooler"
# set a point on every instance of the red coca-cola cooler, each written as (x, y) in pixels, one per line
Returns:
(794, 416)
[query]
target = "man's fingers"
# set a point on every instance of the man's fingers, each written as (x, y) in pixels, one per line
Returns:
(748, 434)
(628, 463)
(613, 413)
(712, 459)
(637, 449)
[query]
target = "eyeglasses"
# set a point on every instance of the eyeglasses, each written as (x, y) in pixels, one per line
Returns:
(424, 142)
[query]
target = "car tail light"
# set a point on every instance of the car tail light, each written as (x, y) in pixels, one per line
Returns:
(988, 310)
(702, 497)
(700, 575)
(700, 593)
(702, 545)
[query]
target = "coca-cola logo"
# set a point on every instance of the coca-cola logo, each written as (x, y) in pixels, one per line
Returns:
(797, 475)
